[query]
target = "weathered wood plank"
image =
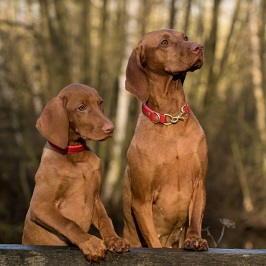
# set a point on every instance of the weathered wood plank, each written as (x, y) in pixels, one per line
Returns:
(55, 256)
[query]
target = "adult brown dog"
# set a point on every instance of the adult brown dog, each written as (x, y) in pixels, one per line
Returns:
(66, 197)
(164, 183)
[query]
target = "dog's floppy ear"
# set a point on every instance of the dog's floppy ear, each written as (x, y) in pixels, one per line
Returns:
(53, 123)
(136, 78)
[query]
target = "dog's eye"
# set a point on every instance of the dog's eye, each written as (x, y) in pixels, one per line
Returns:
(101, 105)
(82, 108)
(164, 42)
(186, 38)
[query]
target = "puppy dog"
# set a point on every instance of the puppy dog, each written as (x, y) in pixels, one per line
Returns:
(66, 198)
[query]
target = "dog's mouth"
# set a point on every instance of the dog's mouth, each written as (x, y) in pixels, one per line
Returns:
(189, 68)
(110, 135)
(197, 65)
(104, 139)
(98, 138)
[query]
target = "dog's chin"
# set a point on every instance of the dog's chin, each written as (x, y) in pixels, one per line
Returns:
(104, 139)
(179, 74)
(97, 138)
(196, 66)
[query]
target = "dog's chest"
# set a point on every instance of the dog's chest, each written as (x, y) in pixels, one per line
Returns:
(79, 191)
(168, 143)
(167, 156)
(167, 146)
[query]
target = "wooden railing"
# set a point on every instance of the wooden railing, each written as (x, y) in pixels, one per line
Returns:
(16, 255)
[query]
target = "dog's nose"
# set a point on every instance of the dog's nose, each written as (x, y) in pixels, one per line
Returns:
(196, 48)
(108, 128)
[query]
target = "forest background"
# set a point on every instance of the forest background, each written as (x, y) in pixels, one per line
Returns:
(47, 44)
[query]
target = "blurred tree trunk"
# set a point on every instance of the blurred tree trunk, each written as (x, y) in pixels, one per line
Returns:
(55, 46)
(172, 14)
(210, 50)
(187, 16)
(257, 75)
(262, 39)
(143, 14)
(111, 191)
(103, 40)
(17, 112)
(240, 169)
(86, 47)
(200, 24)
(198, 76)
(227, 46)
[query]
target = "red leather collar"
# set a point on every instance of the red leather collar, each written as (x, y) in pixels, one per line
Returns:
(165, 119)
(69, 149)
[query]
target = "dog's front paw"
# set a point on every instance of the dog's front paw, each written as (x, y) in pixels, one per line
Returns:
(117, 244)
(196, 244)
(94, 249)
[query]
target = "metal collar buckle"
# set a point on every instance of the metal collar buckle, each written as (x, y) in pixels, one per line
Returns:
(175, 119)
(156, 117)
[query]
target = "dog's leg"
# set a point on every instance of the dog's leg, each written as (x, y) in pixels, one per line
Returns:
(138, 214)
(196, 210)
(48, 217)
(175, 239)
(105, 226)
(130, 228)
(143, 212)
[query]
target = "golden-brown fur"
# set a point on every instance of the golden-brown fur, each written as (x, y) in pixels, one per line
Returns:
(164, 182)
(66, 198)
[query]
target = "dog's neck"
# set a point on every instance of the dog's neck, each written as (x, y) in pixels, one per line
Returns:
(166, 94)
(73, 137)
(70, 149)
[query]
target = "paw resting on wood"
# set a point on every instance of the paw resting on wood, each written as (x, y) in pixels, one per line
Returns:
(94, 249)
(117, 244)
(196, 244)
